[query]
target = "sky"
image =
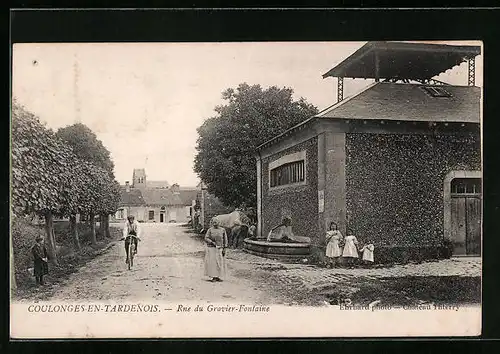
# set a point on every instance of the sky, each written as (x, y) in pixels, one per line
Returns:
(144, 101)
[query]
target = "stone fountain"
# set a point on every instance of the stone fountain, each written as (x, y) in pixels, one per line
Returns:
(280, 243)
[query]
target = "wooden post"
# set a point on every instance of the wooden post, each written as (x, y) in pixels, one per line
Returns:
(377, 67)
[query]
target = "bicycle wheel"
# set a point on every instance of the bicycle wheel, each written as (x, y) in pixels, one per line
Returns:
(130, 255)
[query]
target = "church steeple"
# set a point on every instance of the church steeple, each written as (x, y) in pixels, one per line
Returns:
(139, 178)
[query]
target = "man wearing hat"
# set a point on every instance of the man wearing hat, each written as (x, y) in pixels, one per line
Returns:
(41, 267)
(131, 228)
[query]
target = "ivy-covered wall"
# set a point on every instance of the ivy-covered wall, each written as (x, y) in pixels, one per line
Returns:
(300, 202)
(394, 184)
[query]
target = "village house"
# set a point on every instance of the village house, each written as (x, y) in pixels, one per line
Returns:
(397, 164)
(155, 201)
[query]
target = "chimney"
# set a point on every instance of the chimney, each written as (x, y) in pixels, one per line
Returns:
(127, 186)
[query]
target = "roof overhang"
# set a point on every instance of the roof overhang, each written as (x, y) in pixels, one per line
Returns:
(402, 60)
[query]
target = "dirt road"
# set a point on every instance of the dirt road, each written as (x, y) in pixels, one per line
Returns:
(168, 267)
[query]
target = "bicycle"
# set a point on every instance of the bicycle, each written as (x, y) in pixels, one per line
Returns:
(131, 250)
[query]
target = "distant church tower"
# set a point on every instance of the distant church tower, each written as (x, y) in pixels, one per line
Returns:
(139, 178)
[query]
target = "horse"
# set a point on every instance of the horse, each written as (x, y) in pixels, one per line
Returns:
(236, 225)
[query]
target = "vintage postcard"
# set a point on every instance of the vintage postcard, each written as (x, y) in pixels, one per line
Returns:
(257, 189)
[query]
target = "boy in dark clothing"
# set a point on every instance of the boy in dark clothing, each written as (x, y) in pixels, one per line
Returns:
(41, 267)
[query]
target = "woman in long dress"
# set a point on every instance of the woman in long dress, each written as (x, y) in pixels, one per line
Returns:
(333, 239)
(215, 256)
(350, 253)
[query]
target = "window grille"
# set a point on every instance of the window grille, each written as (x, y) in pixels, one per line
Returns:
(466, 186)
(288, 173)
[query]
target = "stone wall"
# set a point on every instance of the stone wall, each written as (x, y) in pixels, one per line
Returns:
(298, 202)
(394, 185)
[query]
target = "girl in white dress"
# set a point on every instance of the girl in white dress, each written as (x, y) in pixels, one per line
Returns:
(333, 239)
(350, 253)
(367, 251)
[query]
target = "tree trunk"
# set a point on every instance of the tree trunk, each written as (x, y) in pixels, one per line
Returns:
(107, 233)
(74, 232)
(13, 283)
(51, 239)
(101, 227)
(92, 228)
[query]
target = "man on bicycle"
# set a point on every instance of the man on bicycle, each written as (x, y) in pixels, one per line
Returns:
(130, 229)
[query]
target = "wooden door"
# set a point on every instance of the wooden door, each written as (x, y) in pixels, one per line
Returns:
(473, 222)
(466, 216)
(458, 226)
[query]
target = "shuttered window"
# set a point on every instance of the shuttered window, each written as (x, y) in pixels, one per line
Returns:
(289, 173)
(151, 215)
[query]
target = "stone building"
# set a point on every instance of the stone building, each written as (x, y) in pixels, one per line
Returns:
(398, 164)
(155, 201)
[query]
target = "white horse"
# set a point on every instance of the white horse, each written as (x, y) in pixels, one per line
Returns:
(236, 225)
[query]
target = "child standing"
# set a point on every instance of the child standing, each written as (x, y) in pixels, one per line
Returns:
(350, 252)
(41, 267)
(367, 251)
(333, 239)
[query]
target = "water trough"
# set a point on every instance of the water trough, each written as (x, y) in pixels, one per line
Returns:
(296, 249)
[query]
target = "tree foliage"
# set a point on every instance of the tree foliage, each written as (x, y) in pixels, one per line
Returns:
(227, 142)
(86, 145)
(50, 178)
(39, 165)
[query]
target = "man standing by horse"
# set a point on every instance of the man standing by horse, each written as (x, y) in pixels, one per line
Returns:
(236, 225)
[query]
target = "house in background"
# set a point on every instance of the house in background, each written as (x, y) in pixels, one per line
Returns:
(187, 196)
(398, 164)
(155, 201)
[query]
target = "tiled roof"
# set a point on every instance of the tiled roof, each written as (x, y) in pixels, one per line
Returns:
(187, 195)
(157, 184)
(408, 102)
(400, 102)
(131, 198)
(160, 197)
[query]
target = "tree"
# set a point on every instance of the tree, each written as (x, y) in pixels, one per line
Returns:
(40, 170)
(227, 142)
(102, 192)
(86, 145)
